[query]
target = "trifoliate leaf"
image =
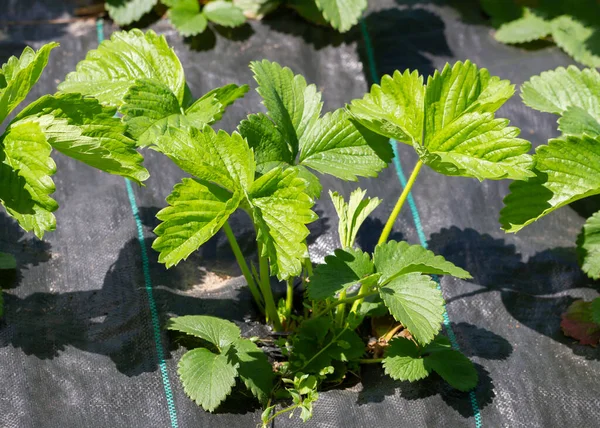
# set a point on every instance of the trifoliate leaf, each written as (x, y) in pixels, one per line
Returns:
(81, 128)
(224, 13)
(340, 271)
(196, 212)
(281, 209)
(450, 121)
(588, 246)
(207, 378)
(7, 262)
(108, 72)
(567, 171)
(343, 149)
(526, 29)
(577, 40)
(578, 322)
(125, 12)
(570, 92)
(217, 331)
(352, 214)
(18, 76)
(293, 105)
(415, 301)
(393, 259)
(25, 170)
(212, 156)
(186, 17)
(402, 361)
(342, 14)
(254, 368)
(454, 367)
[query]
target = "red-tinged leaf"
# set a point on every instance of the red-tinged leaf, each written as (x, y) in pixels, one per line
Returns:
(577, 323)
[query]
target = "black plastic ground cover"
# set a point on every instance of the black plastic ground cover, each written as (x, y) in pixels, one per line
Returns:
(78, 346)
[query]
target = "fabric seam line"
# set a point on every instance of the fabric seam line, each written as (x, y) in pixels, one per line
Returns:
(148, 283)
(415, 214)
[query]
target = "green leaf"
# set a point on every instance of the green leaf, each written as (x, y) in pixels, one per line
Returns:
(215, 157)
(224, 13)
(450, 122)
(577, 40)
(226, 96)
(402, 361)
(257, 9)
(269, 145)
(186, 17)
(451, 365)
(347, 347)
(219, 332)
(281, 209)
(308, 10)
(588, 246)
(25, 170)
(18, 76)
(343, 149)
(108, 72)
(340, 271)
(570, 92)
(342, 14)
(81, 128)
(526, 29)
(254, 369)
(393, 259)
(596, 310)
(568, 169)
(415, 301)
(579, 322)
(7, 262)
(293, 105)
(352, 214)
(207, 378)
(196, 212)
(125, 12)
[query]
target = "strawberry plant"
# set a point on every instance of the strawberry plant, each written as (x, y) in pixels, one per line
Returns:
(572, 25)
(567, 168)
(191, 17)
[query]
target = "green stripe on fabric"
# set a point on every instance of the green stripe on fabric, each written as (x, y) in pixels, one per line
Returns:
(415, 215)
(160, 354)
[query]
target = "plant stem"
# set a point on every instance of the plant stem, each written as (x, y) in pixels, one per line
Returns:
(343, 301)
(289, 299)
(370, 360)
(265, 287)
(340, 311)
(396, 211)
(237, 252)
(281, 412)
(323, 349)
(308, 266)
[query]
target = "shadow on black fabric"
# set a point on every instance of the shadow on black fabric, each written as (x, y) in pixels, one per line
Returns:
(369, 234)
(207, 40)
(533, 292)
(403, 39)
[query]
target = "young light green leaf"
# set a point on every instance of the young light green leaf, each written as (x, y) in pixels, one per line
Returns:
(526, 29)
(402, 361)
(108, 72)
(568, 170)
(576, 39)
(224, 13)
(588, 246)
(25, 170)
(125, 12)
(393, 259)
(207, 378)
(342, 14)
(352, 214)
(415, 301)
(7, 262)
(225, 95)
(81, 128)
(186, 17)
(217, 331)
(257, 9)
(196, 212)
(254, 368)
(342, 270)
(450, 121)
(281, 209)
(293, 105)
(454, 367)
(19, 75)
(570, 92)
(212, 156)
